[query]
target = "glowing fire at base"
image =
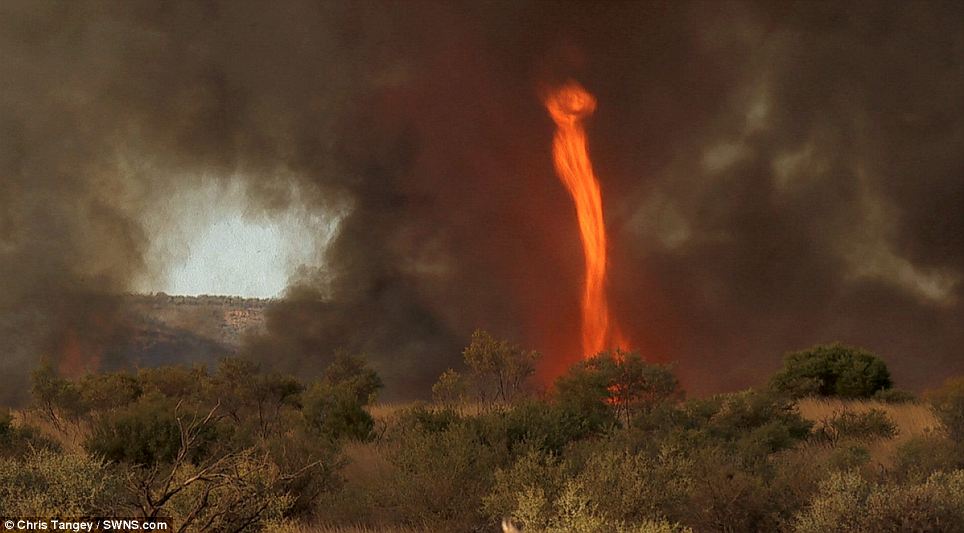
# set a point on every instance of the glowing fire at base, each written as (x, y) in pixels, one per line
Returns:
(569, 105)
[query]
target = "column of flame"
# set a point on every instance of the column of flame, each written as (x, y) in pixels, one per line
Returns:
(567, 106)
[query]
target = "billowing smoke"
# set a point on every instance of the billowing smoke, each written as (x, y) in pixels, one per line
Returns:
(772, 177)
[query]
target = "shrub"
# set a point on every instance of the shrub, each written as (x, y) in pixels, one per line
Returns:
(18, 441)
(838, 507)
(498, 370)
(832, 370)
(848, 457)
(309, 465)
(921, 456)
(57, 399)
(727, 494)
(105, 392)
(534, 473)
(615, 387)
(174, 381)
(46, 484)
(948, 404)
(353, 374)
(146, 433)
(427, 419)
(865, 427)
(753, 423)
(538, 424)
(334, 412)
(450, 389)
(574, 512)
(247, 495)
(439, 478)
(894, 396)
(625, 487)
(935, 505)
(846, 502)
(635, 487)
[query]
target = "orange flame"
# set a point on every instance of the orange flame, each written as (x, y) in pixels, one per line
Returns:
(568, 106)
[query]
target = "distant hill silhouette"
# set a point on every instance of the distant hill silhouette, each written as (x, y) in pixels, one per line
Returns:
(170, 329)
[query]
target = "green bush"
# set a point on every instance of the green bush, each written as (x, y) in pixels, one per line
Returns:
(177, 382)
(310, 466)
(46, 484)
(353, 373)
(334, 412)
(428, 419)
(894, 396)
(451, 389)
(635, 487)
(532, 473)
(848, 503)
(864, 427)
(146, 433)
(57, 399)
(439, 478)
(727, 493)
(754, 424)
(18, 441)
(573, 511)
(832, 370)
(848, 457)
(535, 423)
(923, 455)
(105, 392)
(243, 497)
(498, 371)
(615, 387)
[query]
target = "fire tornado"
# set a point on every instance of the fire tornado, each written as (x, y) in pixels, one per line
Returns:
(569, 105)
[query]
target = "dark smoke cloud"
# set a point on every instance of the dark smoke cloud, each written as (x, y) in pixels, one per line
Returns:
(773, 175)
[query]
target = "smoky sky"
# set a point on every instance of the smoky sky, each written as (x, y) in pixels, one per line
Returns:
(773, 175)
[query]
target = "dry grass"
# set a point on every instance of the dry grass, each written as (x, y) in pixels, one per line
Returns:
(366, 461)
(912, 420)
(382, 411)
(70, 435)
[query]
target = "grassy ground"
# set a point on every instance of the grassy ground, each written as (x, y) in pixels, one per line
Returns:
(70, 435)
(368, 463)
(912, 420)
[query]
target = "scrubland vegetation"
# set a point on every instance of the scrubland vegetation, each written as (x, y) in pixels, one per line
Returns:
(827, 445)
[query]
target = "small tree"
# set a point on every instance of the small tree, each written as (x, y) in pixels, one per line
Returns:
(335, 406)
(334, 412)
(832, 370)
(58, 401)
(106, 392)
(236, 491)
(353, 373)
(498, 370)
(449, 390)
(618, 383)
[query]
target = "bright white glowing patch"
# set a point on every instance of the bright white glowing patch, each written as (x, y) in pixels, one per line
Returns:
(210, 240)
(234, 256)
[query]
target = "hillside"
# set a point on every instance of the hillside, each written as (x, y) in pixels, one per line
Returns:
(172, 329)
(224, 319)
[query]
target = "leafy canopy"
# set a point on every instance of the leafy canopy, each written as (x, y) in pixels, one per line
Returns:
(832, 370)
